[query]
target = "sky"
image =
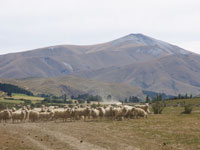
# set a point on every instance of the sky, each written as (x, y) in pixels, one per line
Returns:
(31, 24)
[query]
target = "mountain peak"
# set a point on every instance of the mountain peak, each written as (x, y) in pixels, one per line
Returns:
(136, 35)
(156, 47)
(135, 39)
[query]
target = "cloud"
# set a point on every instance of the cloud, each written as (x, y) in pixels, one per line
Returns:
(37, 23)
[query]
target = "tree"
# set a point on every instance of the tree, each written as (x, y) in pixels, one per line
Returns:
(158, 98)
(147, 99)
(13, 89)
(186, 96)
(9, 94)
(109, 97)
(126, 100)
(179, 96)
(65, 98)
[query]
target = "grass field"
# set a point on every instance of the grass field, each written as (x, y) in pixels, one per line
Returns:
(18, 99)
(192, 101)
(11, 101)
(170, 130)
(23, 96)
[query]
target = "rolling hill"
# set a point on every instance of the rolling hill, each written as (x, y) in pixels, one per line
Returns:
(72, 85)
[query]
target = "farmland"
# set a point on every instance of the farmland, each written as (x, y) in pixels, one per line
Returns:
(19, 99)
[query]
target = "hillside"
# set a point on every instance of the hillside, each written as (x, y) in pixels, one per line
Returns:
(73, 86)
(171, 75)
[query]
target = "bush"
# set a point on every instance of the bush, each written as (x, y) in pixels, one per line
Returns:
(188, 109)
(157, 108)
(9, 98)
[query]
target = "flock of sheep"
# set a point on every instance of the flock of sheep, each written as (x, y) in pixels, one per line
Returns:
(55, 113)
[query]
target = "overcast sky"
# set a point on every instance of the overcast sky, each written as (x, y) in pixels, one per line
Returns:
(30, 24)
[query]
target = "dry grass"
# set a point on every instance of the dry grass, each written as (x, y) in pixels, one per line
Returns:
(170, 130)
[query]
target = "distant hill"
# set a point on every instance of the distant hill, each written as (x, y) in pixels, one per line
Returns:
(135, 59)
(71, 85)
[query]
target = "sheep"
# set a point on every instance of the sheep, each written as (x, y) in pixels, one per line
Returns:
(83, 113)
(119, 113)
(94, 113)
(27, 114)
(80, 113)
(18, 115)
(6, 115)
(86, 113)
(127, 111)
(1, 116)
(45, 115)
(62, 114)
(37, 109)
(139, 112)
(13, 109)
(102, 112)
(144, 107)
(43, 108)
(33, 115)
(28, 107)
(69, 113)
(56, 107)
(109, 112)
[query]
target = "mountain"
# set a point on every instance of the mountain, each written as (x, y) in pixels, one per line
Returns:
(172, 74)
(135, 59)
(65, 59)
(71, 85)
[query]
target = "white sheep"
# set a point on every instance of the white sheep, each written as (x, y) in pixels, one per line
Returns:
(33, 115)
(144, 107)
(109, 113)
(139, 112)
(94, 113)
(6, 115)
(102, 112)
(18, 115)
(62, 114)
(46, 116)
(119, 113)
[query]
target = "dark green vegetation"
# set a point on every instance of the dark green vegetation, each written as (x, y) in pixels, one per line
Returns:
(188, 109)
(157, 107)
(9, 88)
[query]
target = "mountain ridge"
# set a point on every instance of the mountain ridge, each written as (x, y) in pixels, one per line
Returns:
(125, 60)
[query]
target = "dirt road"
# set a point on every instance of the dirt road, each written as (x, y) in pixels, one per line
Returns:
(52, 136)
(155, 133)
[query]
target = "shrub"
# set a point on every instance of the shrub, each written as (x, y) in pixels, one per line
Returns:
(188, 109)
(157, 108)
(9, 98)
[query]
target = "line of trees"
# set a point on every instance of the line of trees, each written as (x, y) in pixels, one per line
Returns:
(132, 99)
(87, 97)
(186, 96)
